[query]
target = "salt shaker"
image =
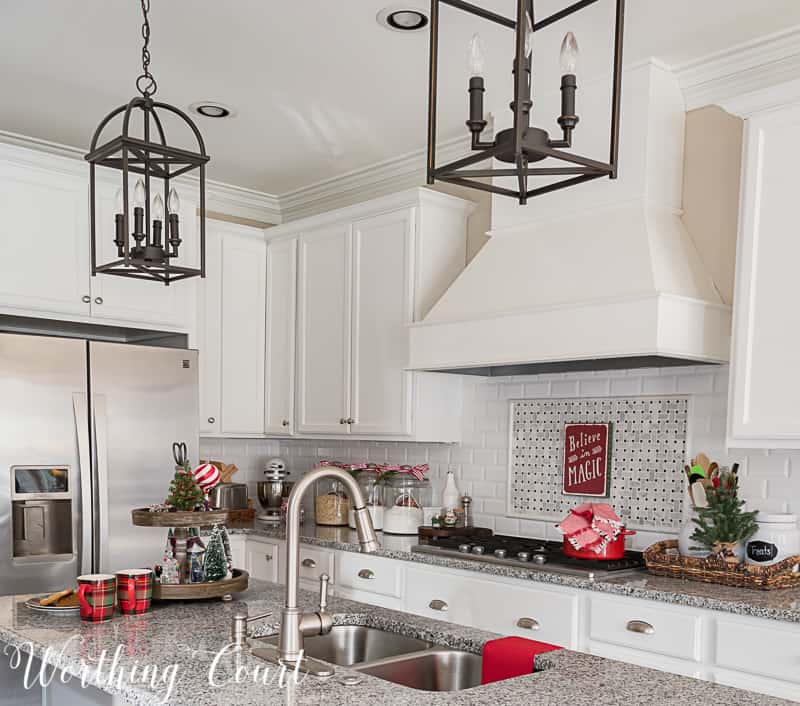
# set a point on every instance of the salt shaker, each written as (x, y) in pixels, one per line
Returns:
(466, 501)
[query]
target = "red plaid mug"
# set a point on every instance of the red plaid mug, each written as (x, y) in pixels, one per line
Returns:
(98, 606)
(134, 590)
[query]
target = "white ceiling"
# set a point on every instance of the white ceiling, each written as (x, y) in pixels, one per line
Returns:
(320, 88)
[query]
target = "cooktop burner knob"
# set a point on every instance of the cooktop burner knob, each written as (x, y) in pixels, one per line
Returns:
(523, 556)
(477, 549)
(500, 553)
(539, 558)
(464, 548)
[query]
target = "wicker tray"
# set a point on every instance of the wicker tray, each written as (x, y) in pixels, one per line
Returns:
(142, 517)
(661, 561)
(200, 591)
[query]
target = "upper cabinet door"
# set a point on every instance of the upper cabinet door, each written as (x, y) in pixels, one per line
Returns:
(281, 316)
(209, 334)
(382, 308)
(323, 340)
(765, 384)
(242, 330)
(142, 302)
(45, 238)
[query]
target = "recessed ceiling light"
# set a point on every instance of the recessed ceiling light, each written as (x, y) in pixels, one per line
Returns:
(212, 109)
(402, 18)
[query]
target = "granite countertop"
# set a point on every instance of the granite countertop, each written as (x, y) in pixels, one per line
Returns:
(782, 604)
(189, 635)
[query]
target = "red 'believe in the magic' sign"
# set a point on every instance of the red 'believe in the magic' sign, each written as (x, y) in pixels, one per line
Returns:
(586, 459)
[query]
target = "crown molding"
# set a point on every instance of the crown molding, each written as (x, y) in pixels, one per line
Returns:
(224, 198)
(745, 68)
(393, 175)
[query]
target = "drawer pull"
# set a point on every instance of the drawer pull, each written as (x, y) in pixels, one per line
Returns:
(436, 604)
(528, 624)
(366, 574)
(309, 563)
(641, 627)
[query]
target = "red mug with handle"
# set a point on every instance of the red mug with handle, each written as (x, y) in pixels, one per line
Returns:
(97, 595)
(135, 591)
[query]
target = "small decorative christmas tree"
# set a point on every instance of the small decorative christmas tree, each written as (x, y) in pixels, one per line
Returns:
(723, 524)
(184, 493)
(226, 542)
(215, 565)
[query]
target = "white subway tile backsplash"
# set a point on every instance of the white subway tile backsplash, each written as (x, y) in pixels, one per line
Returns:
(768, 480)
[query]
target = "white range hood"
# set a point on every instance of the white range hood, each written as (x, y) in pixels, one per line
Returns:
(599, 276)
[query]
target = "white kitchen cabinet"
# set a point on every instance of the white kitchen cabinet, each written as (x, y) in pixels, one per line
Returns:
(231, 330)
(364, 274)
(264, 559)
(764, 384)
(315, 561)
(44, 269)
(280, 336)
(369, 579)
(323, 335)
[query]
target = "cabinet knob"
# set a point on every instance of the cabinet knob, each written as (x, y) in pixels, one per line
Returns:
(437, 604)
(86, 299)
(528, 624)
(350, 420)
(342, 421)
(309, 563)
(641, 627)
(285, 422)
(366, 574)
(98, 300)
(267, 557)
(211, 420)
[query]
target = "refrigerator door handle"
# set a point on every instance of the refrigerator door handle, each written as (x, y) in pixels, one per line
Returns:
(81, 409)
(100, 434)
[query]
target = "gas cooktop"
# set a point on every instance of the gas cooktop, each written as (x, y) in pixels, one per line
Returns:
(523, 552)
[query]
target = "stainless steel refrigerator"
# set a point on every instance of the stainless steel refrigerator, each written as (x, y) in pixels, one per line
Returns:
(86, 432)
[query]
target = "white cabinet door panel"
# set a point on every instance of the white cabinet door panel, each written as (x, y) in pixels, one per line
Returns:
(323, 312)
(763, 649)
(263, 560)
(209, 331)
(764, 380)
(45, 241)
(242, 333)
(382, 308)
(280, 336)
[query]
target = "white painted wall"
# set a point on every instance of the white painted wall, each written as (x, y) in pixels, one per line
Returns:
(769, 480)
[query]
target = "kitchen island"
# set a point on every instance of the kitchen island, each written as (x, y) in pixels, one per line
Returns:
(181, 644)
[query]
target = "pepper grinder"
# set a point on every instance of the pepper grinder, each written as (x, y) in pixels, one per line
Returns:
(466, 501)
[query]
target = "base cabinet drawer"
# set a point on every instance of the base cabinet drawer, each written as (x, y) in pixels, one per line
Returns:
(369, 575)
(771, 650)
(313, 563)
(263, 560)
(641, 625)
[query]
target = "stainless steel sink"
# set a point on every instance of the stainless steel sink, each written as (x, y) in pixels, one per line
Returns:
(347, 645)
(436, 669)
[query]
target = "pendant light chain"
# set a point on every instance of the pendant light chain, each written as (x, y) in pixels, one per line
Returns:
(146, 83)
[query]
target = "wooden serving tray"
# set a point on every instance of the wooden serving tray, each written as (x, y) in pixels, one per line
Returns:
(200, 591)
(142, 517)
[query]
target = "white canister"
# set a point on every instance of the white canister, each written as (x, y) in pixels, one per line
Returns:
(776, 538)
(375, 512)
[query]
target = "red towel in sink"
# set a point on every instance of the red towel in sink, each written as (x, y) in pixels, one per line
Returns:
(509, 657)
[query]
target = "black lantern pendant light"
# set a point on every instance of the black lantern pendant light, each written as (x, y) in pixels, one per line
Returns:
(522, 144)
(148, 245)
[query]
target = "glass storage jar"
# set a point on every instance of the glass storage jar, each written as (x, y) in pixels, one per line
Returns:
(405, 497)
(372, 490)
(330, 503)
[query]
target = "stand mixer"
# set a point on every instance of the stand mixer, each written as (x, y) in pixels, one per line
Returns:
(273, 489)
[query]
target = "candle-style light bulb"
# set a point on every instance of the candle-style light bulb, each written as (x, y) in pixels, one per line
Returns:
(120, 207)
(528, 36)
(174, 201)
(139, 194)
(476, 56)
(158, 208)
(569, 53)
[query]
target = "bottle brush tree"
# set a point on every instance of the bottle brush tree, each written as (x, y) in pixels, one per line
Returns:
(215, 564)
(184, 493)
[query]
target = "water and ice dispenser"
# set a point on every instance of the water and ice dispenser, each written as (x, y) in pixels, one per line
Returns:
(42, 511)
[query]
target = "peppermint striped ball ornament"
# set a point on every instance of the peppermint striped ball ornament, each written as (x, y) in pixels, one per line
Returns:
(207, 476)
